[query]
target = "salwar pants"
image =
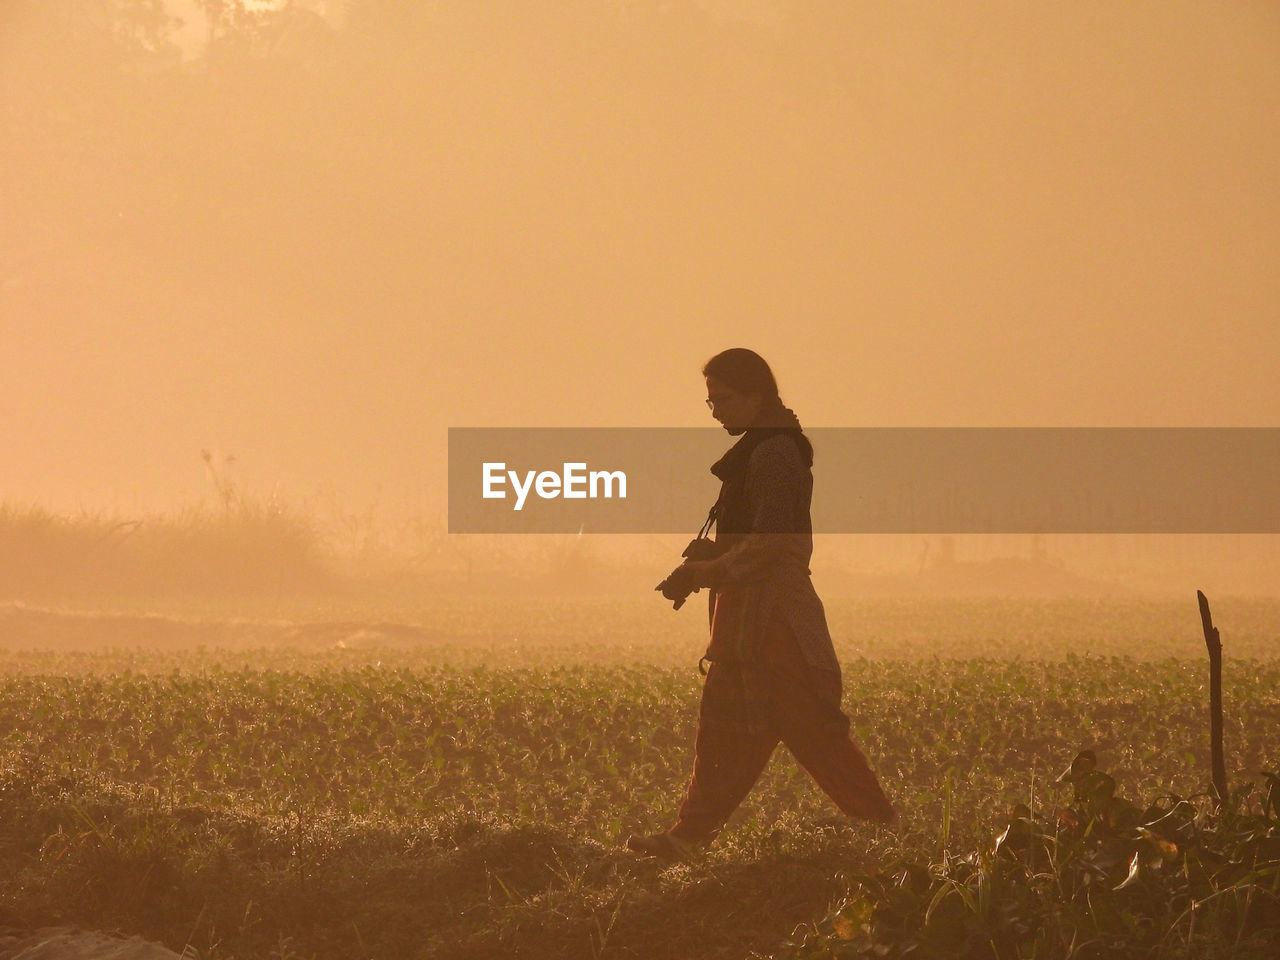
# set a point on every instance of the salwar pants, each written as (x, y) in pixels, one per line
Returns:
(731, 748)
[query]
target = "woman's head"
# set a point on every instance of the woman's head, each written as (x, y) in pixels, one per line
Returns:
(744, 371)
(739, 385)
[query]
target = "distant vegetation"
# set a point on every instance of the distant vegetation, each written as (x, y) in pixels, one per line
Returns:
(263, 551)
(243, 548)
(242, 553)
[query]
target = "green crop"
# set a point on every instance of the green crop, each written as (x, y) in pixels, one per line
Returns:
(427, 801)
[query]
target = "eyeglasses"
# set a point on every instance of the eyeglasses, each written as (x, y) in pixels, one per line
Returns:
(712, 401)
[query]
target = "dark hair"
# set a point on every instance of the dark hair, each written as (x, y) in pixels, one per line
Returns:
(746, 372)
(743, 370)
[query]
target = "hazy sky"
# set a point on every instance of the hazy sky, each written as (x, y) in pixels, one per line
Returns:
(921, 214)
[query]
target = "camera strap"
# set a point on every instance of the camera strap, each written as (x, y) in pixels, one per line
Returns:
(705, 530)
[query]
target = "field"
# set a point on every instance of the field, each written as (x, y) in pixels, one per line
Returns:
(344, 785)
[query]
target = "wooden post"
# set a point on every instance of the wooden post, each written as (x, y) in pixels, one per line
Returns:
(1214, 643)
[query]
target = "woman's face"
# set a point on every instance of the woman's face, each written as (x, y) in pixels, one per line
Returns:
(735, 411)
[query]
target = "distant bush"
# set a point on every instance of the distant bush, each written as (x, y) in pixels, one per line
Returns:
(253, 549)
(242, 548)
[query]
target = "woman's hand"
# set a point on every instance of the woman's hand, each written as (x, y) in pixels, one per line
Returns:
(679, 583)
(704, 573)
(708, 572)
(690, 577)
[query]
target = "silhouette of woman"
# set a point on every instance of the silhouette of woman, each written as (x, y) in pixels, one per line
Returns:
(773, 672)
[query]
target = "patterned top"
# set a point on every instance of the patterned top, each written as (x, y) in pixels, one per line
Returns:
(765, 573)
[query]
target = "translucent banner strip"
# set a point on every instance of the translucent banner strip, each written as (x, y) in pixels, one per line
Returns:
(877, 480)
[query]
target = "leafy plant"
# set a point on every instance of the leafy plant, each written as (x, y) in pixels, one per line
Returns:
(1098, 877)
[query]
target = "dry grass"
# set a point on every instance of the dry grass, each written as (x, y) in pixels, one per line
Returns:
(242, 547)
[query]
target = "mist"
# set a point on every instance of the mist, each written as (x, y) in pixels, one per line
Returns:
(310, 240)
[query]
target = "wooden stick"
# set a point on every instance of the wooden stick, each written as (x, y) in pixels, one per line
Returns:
(1214, 643)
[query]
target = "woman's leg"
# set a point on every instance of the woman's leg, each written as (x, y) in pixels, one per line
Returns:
(727, 759)
(810, 722)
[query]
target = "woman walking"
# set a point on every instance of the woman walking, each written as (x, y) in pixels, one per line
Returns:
(773, 672)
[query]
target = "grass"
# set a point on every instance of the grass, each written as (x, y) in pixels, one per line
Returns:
(290, 809)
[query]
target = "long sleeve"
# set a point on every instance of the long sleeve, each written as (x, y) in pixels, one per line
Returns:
(778, 485)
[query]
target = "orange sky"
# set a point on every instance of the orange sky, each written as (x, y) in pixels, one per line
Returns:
(926, 214)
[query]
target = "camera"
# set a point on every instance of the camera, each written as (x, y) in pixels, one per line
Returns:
(699, 549)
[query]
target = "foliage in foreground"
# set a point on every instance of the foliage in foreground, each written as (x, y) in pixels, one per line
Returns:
(379, 812)
(1103, 878)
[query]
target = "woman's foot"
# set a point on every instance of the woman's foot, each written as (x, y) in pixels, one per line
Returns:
(888, 817)
(664, 846)
(882, 811)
